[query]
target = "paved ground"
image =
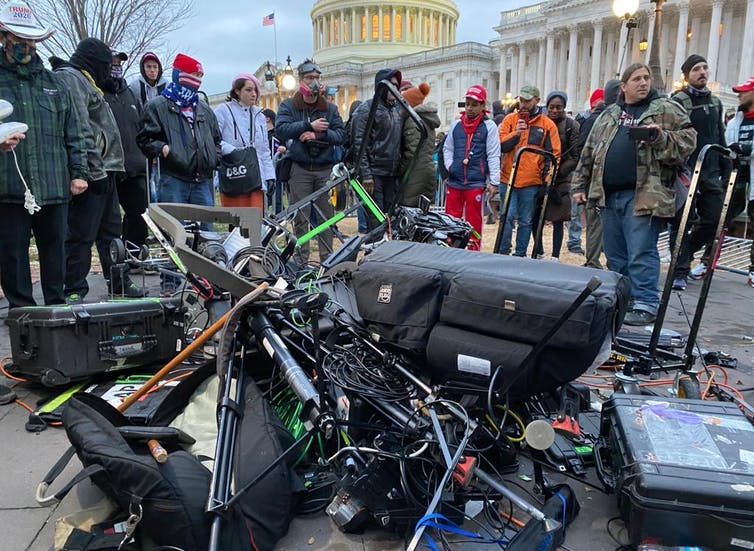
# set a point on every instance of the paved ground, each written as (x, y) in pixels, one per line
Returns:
(26, 457)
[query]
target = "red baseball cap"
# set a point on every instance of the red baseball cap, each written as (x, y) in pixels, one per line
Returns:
(478, 93)
(747, 86)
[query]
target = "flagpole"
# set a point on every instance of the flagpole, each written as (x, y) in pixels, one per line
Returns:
(275, 34)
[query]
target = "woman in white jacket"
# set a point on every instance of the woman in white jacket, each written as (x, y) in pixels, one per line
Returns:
(235, 118)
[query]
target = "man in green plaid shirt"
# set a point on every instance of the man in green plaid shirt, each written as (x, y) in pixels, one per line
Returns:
(51, 161)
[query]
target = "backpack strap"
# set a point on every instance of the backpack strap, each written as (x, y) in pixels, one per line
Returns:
(41, 495)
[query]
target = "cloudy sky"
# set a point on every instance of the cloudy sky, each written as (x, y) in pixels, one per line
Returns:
(228, 38)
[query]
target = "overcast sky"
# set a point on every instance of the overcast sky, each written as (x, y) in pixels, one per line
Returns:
(228, 38)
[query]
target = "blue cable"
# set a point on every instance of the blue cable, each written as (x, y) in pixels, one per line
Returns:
(447, 525)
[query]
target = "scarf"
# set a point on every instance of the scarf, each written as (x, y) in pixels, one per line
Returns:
(185, 98)
(698, 92)
(469, 126)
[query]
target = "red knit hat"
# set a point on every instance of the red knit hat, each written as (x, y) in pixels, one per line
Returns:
(597, 96)
(416, 94)
(187, 64)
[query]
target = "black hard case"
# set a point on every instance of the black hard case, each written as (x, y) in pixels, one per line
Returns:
(683, 470)
(60, 344)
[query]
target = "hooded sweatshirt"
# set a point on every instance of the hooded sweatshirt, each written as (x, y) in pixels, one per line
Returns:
(140, 86)
(383, 147)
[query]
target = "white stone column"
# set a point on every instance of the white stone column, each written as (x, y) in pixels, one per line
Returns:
(367, 26)
(502, 81)
(680, 39)
(392, 24)
(573, 57)
(723, 64)
(431, 28)
(594, 80)
(342, 33)
(354, 30)
(650, 36)
(522, 65)
(560, 82)
(541, 61)
(745, 68)
(549, 60)
(696, 32)
(380, 24)
(664, 41)
(623, 60)
(515, 84)
(608, 67)
(713, 49)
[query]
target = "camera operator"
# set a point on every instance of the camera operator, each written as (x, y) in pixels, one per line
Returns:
(628, 165)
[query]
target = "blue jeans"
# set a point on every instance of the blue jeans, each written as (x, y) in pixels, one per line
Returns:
(522, 203)
(175, 190)
(631, 248)
(574, 226)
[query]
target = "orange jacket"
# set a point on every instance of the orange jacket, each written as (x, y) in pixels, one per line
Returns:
(541, 134)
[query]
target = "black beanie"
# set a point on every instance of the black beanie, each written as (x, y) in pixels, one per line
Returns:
(95, 57)
(692, 60)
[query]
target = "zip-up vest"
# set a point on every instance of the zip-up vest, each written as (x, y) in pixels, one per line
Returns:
(474, 173)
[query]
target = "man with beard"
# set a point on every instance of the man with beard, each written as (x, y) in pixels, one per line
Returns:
(378, 166)
(706, 113)
(529, 127)
(94, 215)
(628, 165)
(131, 184)
(314, 127)
(51, 158)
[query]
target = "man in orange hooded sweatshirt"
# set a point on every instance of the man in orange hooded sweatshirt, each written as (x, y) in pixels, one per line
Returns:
(529, 127)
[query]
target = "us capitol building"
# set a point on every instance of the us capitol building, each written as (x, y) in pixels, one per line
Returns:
(571, 45)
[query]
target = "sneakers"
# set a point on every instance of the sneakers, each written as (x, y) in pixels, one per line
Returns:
(679, 284)
(74, 298)
(6, 395)
(576, 250)
(698, 271)
(639, 317)
(750, 281)
(131, 290)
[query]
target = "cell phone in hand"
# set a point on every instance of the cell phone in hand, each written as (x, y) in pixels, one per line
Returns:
(524, 116)
(642, 133)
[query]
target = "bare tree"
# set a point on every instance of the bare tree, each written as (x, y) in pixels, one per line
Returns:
(131, 26)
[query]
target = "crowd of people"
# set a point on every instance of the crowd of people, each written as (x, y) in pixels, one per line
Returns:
(95, 143)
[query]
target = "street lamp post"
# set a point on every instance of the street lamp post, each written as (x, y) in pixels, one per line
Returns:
(283, 81)
(625, 9)
(655, 71)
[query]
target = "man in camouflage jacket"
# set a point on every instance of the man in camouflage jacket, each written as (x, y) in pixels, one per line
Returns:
(630, 178)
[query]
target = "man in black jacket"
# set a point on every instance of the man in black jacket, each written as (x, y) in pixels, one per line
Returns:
(706, 113)
(183, 132)
(378, 167)
(94, 216)
(131, 185)
(314, 127)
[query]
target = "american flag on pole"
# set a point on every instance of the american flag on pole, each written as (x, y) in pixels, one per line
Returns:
(268, 20)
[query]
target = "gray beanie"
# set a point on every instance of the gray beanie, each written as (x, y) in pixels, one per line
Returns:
(557, 94)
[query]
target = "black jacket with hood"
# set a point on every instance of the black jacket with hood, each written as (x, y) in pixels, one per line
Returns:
(127, 111)
(383, 149)
(144, 91)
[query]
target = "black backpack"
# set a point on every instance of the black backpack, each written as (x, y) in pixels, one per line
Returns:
(169, 498)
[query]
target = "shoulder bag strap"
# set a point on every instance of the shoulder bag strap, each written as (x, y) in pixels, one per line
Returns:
(236, 131)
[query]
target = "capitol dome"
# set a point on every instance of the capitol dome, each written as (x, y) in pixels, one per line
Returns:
(361, 31)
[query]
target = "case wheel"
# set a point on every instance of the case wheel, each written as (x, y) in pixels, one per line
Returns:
(117, 251)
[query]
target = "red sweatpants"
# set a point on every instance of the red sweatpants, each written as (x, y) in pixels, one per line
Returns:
(467, 204)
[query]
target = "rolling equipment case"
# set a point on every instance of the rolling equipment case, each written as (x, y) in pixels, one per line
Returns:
(60, 344)
(683, 470)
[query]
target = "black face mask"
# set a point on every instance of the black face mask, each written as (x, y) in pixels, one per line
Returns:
(94, 57)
